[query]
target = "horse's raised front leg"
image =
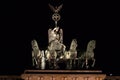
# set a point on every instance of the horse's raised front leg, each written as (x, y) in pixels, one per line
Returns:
(86, 63)
(93, 62)
(83, 64)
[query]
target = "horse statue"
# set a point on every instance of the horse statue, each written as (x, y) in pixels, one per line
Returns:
(71, 55)
(72, 52)
(73, 49)
(36, 54)
(88, 54)
(38, 58)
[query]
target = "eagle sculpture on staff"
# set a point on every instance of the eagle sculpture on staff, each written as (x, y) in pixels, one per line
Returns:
(56, 16)
(55, 9)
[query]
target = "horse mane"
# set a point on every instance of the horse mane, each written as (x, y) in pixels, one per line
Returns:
(91, 46)
(73, 44)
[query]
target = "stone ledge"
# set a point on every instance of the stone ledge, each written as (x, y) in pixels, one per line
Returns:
(63, 71)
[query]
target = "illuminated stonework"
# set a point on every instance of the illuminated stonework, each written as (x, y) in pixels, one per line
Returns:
(63, 75)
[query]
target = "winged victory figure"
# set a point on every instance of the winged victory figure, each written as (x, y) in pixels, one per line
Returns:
(56, 33)
(55, 9)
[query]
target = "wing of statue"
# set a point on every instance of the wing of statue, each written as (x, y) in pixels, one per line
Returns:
(59, 8)
(49, 35)
(51, 7)
(55, 9)
(61, 35)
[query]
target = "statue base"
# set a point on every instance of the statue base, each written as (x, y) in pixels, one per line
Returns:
(63, 75)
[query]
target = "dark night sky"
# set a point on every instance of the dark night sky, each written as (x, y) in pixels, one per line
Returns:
(26, 20)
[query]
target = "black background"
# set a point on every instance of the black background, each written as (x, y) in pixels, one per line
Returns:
(84, 20)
